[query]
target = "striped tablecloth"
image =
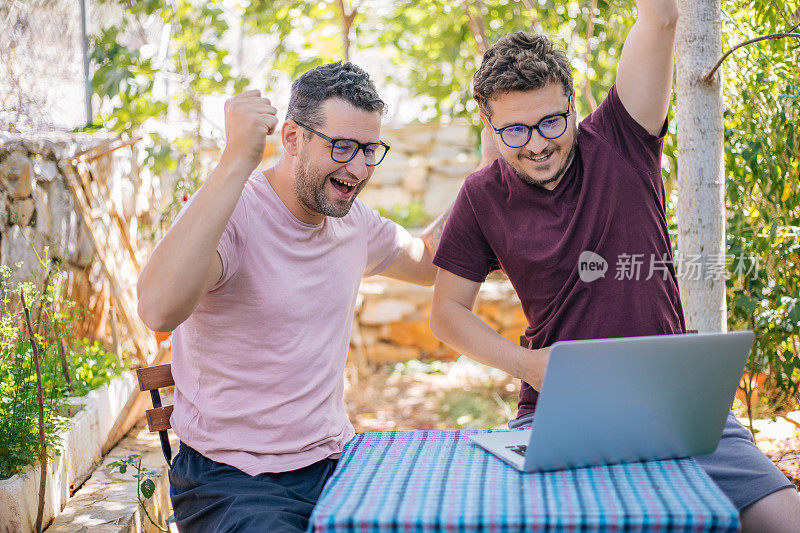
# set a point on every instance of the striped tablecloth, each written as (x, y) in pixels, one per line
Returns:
(441, 481)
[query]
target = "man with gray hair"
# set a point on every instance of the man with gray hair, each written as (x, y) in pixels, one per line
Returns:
(561, 190)
(258, 278)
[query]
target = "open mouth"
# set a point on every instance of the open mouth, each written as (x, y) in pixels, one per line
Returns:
(342, 187)
(541, 158)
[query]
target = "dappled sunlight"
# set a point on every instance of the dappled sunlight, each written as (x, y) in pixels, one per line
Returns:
(416, 395)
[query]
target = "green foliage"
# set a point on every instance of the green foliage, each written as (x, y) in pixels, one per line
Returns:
(477, 407)
(307, 33)
(435, 45)
(437, 52)
(438, 44)
(125, 75)
(763, 196)
(89, 365)
(145, 486)
(135, 82)
(412, 215)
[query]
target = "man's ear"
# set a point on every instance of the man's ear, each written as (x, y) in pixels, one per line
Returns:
(290, 137)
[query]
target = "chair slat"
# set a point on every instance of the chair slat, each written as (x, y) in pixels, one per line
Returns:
(158, 419)
(155, 377)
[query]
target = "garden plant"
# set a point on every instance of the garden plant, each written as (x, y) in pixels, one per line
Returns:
(69, 367)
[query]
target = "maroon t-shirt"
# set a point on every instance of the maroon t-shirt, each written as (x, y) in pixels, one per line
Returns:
(608, 209)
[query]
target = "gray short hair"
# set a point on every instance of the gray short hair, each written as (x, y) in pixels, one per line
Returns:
(334, 80)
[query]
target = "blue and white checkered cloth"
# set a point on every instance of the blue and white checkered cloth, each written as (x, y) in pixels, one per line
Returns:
(442, 481)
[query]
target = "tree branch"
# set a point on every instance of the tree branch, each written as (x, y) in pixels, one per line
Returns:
(530, 7)
(707, 79)
(587, 86)
(40, 402)
(795, 422)
(476, 26)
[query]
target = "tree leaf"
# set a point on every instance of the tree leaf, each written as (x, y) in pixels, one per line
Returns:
(148, 488)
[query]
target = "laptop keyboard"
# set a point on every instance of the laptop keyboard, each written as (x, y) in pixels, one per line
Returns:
(519, 448)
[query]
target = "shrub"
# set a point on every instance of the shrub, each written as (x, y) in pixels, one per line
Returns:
(61, 355)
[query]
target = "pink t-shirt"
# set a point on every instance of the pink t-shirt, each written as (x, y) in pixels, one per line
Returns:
(258, 365)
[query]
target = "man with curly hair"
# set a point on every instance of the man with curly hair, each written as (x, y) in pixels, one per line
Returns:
(561, 189)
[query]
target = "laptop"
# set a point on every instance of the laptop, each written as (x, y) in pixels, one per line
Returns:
(628, 399)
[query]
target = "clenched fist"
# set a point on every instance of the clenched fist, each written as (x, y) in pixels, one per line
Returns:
(249, 118)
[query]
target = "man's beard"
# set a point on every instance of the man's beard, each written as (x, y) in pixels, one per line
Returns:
(524, 176)
(311, 191)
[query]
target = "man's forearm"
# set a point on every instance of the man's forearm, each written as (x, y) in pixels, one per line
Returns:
(644, 72)
(433, 233)
(469, 335)
(176, 275)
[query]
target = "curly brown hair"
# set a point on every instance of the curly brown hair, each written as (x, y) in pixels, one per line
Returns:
(519, 62)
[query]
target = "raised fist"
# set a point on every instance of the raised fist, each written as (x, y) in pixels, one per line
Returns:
(249, 118)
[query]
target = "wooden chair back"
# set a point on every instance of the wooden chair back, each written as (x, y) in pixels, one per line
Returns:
(153, 378)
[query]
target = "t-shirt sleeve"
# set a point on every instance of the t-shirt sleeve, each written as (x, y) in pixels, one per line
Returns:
(232, 243)
(630, 140)
(463, 249)
(385, 239)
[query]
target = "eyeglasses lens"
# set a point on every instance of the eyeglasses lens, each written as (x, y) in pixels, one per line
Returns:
(516, 136)
(344, 150)
(519, 134)
(553, 127)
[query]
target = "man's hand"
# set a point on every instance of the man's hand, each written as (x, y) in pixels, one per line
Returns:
(489, 151)
(249, 118)
(533, 367)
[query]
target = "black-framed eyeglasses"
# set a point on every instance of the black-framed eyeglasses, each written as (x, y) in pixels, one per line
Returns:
(550, 127)
(344, 150)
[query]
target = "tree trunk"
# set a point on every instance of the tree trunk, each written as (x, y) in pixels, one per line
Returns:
(701, 177)
(347, 13)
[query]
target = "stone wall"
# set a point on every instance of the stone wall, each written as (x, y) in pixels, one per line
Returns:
(427, 163)
(42, 229)
(391, 320)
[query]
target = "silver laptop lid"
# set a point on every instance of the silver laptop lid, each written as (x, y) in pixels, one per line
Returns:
(635, 398)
